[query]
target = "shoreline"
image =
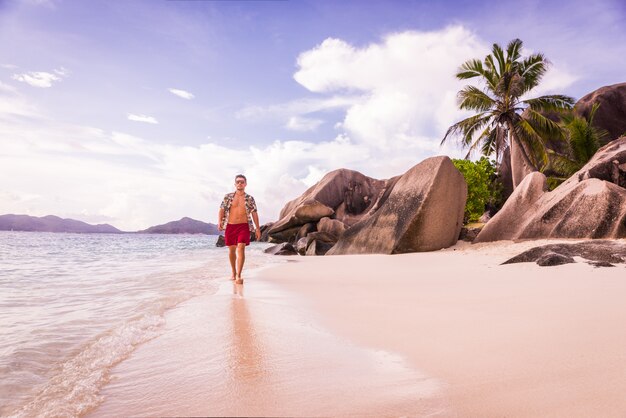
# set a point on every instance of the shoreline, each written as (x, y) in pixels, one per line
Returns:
(445, 333)
(251, 351)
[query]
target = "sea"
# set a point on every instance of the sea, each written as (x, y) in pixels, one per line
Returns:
(73, 306)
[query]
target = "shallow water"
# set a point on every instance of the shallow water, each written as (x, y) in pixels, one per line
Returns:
(72, 306)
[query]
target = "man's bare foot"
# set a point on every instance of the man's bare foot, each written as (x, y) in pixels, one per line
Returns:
(239, 280)
(232, 277)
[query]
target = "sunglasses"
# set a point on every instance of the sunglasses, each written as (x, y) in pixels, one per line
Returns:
(240, 182)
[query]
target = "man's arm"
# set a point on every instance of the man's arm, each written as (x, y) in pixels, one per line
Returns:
(220, 216)
(257, 225)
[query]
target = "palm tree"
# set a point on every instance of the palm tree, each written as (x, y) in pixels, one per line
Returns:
(507, 79)
(582, 140)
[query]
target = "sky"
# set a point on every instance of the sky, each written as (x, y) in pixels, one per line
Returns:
(137, 113)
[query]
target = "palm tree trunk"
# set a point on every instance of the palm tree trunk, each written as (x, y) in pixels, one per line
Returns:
(520, 163)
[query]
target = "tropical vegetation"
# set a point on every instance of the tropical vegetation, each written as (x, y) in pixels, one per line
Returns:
(484, 191)
(581, 141)
(504, 116)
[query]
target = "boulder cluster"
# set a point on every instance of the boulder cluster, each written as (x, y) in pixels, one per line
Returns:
(590, 204)
(350, 213)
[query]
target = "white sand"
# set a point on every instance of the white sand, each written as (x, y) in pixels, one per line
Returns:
(516, 340)
(447, 333)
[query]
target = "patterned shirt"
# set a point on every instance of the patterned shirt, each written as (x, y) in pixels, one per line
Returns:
(250, 207)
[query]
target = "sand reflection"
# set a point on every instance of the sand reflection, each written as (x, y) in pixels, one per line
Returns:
(246, 358)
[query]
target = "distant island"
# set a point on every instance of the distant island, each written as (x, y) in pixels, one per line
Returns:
(53, 223)
(183, 226)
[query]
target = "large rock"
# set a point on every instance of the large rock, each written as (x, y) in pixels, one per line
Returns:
(306, 229)
(331, 226)
(599, 253)
(301, 245)
(318, 248)
(345, 195)
(281, 249)
(611, 115)
(590, 204)
(264, 231)
(422, 212)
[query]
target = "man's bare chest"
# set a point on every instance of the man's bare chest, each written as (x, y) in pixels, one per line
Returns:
(238, 203)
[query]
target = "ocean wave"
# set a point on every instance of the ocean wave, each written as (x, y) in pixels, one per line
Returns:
(74, 389)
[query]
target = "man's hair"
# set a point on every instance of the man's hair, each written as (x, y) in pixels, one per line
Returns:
(241, 176)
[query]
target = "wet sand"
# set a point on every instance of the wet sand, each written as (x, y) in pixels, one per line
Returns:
(249, 350)
(447, 333)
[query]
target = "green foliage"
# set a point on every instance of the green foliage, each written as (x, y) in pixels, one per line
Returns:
(553, 182)
(484, 190)
(581, 141)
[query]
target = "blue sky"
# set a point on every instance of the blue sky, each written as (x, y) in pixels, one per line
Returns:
(140, 112)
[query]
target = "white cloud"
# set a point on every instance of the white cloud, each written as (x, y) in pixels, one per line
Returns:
(41, 79)
(9, 66)
(302, 124)
(142, 118)
(406, 82)
(181, 93)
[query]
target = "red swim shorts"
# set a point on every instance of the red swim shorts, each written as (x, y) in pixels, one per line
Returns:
(237, 233)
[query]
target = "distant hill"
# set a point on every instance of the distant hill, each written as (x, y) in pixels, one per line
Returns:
(51, 223)
(183, 226)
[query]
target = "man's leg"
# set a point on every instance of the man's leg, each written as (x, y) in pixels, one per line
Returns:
(241, 258)
(232, 256)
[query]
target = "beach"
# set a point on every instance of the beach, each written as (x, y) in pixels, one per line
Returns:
(444, 333)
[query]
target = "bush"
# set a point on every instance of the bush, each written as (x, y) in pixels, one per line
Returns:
(484, 190)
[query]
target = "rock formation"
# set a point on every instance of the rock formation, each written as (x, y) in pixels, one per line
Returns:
(422, 212)
(345, 195)
(590, 204)
(611, 115)
(318, 243)
(599, 253)
(281, 249)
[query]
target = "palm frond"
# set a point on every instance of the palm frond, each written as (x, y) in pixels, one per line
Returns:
(533, 68)
(545, 127)
(510, 86)
(562, 164)
(472, 98)
(466, 128)
(513, 50)
(498, 53)
(490, 65)
(476, 143)
(489, 142)
(470, 69)
(550, 102)
(474, 68)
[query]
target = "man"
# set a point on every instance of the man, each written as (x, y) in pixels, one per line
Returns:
(238, 216)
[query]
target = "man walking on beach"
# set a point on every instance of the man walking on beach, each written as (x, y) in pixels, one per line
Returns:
(238, 216)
